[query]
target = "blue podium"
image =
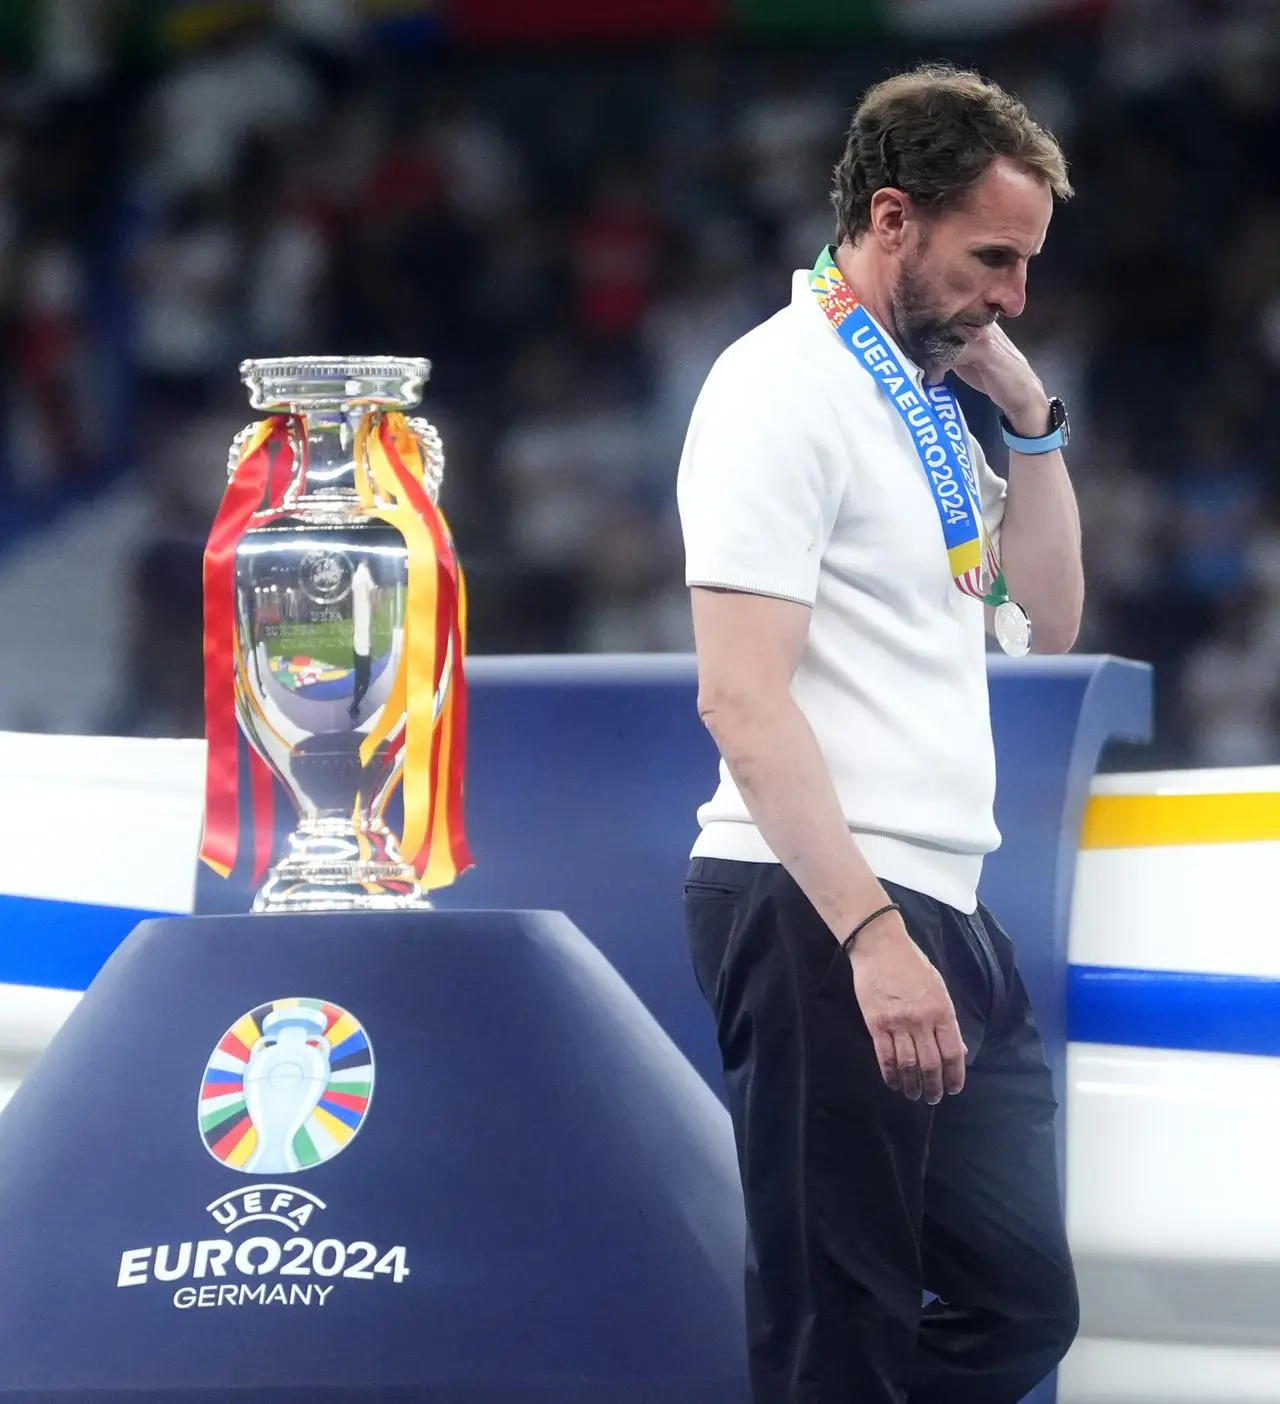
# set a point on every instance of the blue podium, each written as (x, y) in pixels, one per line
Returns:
(444, 1157)
(475, 1156)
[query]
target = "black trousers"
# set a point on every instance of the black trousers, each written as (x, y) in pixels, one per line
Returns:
(363, 668)
(859, 1201)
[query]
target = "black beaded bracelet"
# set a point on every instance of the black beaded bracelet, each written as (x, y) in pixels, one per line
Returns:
(864, 923)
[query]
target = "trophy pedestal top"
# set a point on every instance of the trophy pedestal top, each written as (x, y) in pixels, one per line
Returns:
(491, 1179)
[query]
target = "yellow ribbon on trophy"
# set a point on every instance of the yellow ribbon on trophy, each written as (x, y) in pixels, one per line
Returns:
(389, 480)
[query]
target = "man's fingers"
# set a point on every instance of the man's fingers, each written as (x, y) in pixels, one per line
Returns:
(887, 1058)
(952, 1048)
(908, 1065)
(930, 1066)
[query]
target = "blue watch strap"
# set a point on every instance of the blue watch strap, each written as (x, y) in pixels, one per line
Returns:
(1045, 443)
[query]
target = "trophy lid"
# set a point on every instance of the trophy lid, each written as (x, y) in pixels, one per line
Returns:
(312, 382)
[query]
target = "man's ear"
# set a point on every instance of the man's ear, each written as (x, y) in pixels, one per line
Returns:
(891, 215)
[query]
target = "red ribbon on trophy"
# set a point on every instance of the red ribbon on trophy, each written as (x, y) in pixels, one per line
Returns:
(389, 479)
(246, 494)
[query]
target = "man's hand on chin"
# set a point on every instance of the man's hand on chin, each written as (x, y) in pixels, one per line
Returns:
(992, 364)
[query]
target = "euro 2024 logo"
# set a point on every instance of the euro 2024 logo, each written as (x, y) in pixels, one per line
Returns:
(287, 1088)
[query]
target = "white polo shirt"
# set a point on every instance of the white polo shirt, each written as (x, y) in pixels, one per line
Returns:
(799, 480)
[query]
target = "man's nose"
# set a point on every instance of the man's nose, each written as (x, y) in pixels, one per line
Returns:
(1011, 295)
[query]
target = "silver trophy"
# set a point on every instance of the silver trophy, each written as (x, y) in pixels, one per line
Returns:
(320, 596)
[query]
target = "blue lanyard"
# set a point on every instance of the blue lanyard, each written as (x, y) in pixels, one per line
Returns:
(937, 432)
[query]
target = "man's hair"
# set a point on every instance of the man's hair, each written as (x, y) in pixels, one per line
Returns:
(932, 133)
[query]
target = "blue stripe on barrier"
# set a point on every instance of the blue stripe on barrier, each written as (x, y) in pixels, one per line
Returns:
(60, 945)
(1201, 1013)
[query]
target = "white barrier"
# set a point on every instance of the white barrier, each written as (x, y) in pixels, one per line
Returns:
(1172, 1155)
(124, 817)
(29, 1018)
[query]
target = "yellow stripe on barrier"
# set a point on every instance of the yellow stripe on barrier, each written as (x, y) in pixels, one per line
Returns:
(1153, 821)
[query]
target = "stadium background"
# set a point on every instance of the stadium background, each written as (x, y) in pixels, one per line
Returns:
(571, 207)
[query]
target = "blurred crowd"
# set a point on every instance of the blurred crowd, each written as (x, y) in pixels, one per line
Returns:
(572, 237)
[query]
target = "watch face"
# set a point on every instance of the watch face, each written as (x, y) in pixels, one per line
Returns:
(1058, 420)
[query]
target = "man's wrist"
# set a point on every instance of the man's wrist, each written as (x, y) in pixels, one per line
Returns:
(1030, 419)
(871, 925)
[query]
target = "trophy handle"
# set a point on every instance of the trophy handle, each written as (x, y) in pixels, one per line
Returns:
(233, 453)
(428, 437)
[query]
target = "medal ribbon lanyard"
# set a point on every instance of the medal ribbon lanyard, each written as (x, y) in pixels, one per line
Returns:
(937, 431)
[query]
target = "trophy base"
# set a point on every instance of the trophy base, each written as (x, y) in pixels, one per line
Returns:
(326, 871)
(292, 888)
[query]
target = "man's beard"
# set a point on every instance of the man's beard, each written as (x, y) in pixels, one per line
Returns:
(933, 342)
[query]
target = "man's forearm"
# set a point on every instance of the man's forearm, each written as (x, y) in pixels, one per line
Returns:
(1040, 542)
(774, 759)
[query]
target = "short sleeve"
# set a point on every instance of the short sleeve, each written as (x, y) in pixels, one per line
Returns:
(993, 490)
(760, 481)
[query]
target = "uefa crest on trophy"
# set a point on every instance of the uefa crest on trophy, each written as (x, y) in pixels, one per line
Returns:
(335, 637)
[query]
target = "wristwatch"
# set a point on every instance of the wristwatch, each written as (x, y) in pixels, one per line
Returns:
(1058, 437)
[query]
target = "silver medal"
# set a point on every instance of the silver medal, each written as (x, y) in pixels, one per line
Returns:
(1013, 629)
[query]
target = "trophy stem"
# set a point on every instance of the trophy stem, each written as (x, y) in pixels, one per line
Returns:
(335, 865)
